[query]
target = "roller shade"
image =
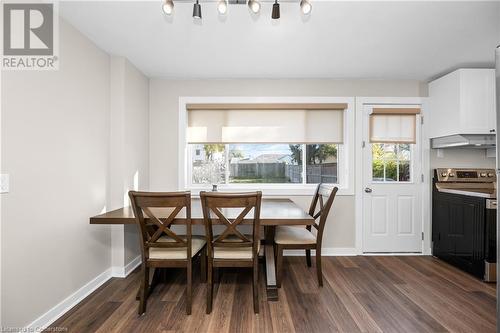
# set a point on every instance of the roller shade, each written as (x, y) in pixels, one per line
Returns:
(265, 126)
(391, 125)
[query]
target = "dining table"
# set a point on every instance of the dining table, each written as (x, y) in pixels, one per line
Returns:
(274, 212)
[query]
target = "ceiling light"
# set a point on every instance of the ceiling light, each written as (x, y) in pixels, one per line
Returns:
(168, 7)
(276, 10)
(222, 7)
(305, 6)
(197, 10)
(254, 6)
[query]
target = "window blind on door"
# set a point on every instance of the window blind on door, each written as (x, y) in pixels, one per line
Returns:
(265, 126)
(393, 125)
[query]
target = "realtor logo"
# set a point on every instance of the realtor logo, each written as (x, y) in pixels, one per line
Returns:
(29, 36)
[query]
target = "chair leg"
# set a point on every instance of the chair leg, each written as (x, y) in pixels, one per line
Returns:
(210, 286)
(255, 285)
(279, 264)
(308, 258)
(217, 274)
(144, 289)
(203, 265)
(318, 267)
(189, 286)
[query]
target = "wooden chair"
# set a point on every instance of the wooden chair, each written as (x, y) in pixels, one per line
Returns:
(288, 237)
(232, 248)
(161, 247)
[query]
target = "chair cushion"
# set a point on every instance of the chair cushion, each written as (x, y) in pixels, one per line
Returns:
(234, 252)
(197, 244)
(294, 235)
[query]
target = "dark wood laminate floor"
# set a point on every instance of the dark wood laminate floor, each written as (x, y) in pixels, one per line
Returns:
(360, 294)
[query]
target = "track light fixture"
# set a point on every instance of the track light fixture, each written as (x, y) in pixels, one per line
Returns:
(222, 7)
(168, 7)
(305, 7)
(254, 6)
(197, 10)
(276, 10)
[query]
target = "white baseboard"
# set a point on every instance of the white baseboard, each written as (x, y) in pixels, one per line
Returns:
(123, 272)
(60, 309)
(327, 252)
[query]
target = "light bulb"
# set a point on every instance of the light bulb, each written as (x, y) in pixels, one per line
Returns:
(222, 7)
(305, 6)
(168, 7)
(254, 6)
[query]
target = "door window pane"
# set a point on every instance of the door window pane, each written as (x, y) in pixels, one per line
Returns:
(404, 171)
(265, 163)
(322, 163)
(391, 162)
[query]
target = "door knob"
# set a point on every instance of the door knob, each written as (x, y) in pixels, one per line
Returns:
(368, 190)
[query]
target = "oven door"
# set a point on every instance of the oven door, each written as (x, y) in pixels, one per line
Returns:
(490, 241)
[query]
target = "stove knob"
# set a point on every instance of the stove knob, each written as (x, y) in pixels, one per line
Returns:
(482, 174)
(444, 174)
(490, 174)
(451, 175)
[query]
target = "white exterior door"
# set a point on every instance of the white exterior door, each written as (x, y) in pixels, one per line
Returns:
(392, 199)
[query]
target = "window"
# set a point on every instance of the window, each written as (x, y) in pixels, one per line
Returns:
(391, 162)
(392, 135)
(264, 163)
(285, 148)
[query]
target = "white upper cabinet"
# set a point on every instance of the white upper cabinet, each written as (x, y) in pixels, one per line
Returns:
(462, 102)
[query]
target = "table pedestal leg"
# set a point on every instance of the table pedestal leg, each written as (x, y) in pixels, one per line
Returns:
(271, 288)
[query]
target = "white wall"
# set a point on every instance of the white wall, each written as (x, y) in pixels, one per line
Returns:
(137, 145)
(55, 147)
(164, 106)
(461, 158)
(74, 141)
(129, 150)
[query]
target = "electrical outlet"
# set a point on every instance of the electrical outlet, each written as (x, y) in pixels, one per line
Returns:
(4, 183)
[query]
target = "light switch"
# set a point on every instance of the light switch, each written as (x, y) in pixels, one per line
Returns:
(4, 183)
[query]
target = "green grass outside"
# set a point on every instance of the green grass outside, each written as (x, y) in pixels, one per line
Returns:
(258, 180)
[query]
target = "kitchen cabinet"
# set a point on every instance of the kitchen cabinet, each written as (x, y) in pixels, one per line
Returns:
(458, 231)
(462, 102)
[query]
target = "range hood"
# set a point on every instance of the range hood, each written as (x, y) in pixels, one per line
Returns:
(482, 141)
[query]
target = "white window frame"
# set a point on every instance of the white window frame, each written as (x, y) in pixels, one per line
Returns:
(346, 151)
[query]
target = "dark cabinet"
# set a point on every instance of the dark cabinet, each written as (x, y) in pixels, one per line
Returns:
(458, 231)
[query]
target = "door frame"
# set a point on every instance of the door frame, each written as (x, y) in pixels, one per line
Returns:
(424, 151)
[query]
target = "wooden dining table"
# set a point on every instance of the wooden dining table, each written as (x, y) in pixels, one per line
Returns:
(274, 212)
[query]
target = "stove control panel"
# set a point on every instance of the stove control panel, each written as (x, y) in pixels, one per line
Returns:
(465, 175)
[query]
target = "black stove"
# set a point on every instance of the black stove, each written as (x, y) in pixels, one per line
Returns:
(464, 219)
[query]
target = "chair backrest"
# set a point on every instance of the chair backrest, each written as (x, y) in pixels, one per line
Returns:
(213, 202)
(155, 212)
(324, 196)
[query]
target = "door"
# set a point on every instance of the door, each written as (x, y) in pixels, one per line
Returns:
(392, 199)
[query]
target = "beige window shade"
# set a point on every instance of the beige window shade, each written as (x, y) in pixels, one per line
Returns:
(265, 126)
(393, 125)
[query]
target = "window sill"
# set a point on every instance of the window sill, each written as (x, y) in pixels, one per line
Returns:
(269, 190)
